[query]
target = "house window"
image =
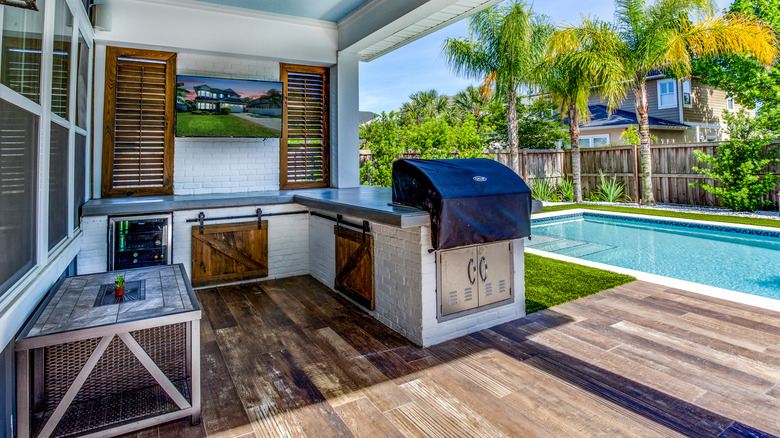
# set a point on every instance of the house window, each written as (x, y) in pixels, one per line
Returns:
(687, 98)
(18, 171)
(305, 141)
(21, 55)
(667, 94)
(594, 141)
(730, 104)
(63, 44)
(140, 101)
(58, 184)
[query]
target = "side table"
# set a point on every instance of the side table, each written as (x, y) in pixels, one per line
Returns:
(90, 364)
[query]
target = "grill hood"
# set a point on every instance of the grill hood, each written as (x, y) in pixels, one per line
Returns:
(470, 200)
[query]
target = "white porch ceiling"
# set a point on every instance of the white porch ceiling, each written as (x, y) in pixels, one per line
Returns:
(326, 10)
(455, 11)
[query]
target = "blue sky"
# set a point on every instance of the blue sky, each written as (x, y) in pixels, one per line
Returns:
(387, 82)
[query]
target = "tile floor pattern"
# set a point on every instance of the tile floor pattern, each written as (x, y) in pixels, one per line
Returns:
(290, 358)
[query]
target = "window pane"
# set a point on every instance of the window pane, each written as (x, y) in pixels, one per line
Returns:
(21, 56)
(18, 143)
(600, 141)
(82, 88)
(584, 142)
(58, 185)
(63, 41)
(80, 177)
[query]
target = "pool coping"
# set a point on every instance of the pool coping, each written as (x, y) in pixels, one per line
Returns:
(712, 291)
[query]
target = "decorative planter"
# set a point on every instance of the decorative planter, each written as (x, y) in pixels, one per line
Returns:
(119, 291)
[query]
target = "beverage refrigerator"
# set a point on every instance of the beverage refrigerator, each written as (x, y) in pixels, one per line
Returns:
(139, 241)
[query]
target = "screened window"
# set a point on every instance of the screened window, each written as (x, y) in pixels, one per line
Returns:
(80, 178)
(18, 145)
(139, 111)
(82, 87)
(21, 51)
(730, 104)
(667, 94)
(63, 42)
(305, 148)
(58, 185)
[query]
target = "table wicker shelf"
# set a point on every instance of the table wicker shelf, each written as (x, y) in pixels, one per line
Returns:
(103, 370)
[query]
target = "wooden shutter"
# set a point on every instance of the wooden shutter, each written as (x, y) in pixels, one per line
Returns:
(138, 123)
(305, 142)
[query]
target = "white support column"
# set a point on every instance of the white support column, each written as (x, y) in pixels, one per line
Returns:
(344, 119)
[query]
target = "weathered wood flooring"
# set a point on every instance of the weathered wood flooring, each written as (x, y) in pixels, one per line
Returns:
(290, 358)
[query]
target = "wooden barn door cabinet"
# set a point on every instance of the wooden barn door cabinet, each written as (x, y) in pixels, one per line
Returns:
(355, 265)
(226, 253)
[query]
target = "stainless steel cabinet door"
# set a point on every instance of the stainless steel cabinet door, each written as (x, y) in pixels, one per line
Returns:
(494, 267)
(459, 280)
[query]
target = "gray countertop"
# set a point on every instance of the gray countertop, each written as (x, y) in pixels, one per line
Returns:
(72, 306)
(364, 202)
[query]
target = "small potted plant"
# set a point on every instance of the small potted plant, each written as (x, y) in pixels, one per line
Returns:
(119, 285)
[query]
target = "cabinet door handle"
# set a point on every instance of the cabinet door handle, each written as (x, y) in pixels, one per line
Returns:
(482, 263)
(471, 270)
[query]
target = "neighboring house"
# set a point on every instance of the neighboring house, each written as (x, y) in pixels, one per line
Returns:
(681, 111)
(214, 99)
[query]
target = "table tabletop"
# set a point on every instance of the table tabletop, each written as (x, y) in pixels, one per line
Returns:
(72, 305)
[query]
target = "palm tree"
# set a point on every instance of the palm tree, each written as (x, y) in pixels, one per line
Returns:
(504, 45)
(473, 101)
(568, 79)
(664, 36)
(425, 105)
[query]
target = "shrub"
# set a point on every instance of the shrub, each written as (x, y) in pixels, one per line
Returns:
(739, 165)
(566, 190)
(225, 110)
(542, 190)
(610, 190)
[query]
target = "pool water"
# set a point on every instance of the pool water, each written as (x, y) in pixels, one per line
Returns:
(727, 257)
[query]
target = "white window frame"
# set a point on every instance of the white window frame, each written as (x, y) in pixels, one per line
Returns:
(674, 93)
(592, 138)
(686, 89)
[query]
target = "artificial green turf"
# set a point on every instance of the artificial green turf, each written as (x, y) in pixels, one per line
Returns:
(549, 282)
(648, 211)
(212, 125)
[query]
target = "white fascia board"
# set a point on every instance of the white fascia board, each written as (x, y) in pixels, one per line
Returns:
(381, 19)
(194, 27)
(656, 127)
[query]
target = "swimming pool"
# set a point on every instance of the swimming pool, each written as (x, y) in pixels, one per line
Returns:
(740, 259)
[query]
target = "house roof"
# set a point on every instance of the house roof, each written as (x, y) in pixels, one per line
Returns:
(601, 118)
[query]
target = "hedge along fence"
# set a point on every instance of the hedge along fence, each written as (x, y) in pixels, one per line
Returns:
(672, 169)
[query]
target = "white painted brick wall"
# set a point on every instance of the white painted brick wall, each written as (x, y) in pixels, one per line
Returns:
(405, 282)
(93, 255)
(225, 165)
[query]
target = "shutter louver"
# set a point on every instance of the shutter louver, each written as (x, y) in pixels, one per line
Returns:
(142, 154)
(305, 140)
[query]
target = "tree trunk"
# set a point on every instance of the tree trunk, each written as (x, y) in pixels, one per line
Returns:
(574, 135)
(640, 103)
(511, 125)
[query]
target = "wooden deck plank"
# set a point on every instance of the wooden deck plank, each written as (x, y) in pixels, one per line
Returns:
(291, 358)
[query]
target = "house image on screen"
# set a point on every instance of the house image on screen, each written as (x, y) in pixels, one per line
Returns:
(214, 99)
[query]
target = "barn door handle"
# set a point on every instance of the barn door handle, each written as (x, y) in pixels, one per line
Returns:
(201, 219)
(472, 271)
(259, 218)
(482, 263)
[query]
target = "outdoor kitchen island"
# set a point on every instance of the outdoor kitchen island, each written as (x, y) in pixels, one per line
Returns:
(302, 227)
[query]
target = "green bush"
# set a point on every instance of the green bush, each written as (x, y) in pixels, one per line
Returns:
(542, 190)
(566, 190)
(225, 110)
(610, 190)
(740, 164)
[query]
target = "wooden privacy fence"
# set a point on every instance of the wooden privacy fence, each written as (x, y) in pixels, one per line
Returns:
(672, 169)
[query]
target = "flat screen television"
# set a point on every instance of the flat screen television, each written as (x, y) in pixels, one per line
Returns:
(212, 107)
